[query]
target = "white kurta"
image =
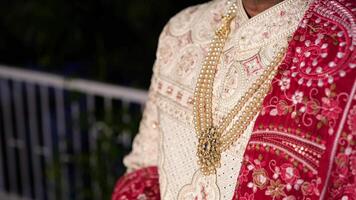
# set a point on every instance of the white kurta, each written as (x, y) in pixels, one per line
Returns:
(167, 138)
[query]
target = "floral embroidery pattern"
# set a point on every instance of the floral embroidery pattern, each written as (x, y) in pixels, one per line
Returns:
(344, 173)
(306, 108)
(289, 174)
(275, 189)
(284, 83)
(260, 178)
(331, 109)
(304, 141)
(284, 179)
(297, 97)
(351, 121)
(247, 197)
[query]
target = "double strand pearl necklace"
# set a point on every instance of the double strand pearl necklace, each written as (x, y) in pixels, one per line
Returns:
(213, 140)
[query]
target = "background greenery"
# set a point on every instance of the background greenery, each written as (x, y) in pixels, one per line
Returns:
(110, 41)
(106, 40)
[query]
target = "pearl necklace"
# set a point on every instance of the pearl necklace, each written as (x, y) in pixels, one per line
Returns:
(213, 140)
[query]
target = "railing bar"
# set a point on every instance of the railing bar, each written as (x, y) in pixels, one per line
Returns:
(9, 137)
(63, 154)
(92, 140)
(7, 196)
(47, 138)
(21, 141)
(2, 161)
(85, 86)
(125, 136)
(142, 107)
(102, 89)
(108, 108)
(126, 116)
(35, 142)
(75, 116)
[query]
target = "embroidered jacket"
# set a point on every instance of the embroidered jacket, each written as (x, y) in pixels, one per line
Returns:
(302, 143)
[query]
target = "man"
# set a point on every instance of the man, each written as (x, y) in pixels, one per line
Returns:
(257, 104)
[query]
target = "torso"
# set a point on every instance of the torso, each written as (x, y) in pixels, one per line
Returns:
(252, 45)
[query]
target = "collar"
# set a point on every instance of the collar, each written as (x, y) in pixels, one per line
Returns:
(275, 23)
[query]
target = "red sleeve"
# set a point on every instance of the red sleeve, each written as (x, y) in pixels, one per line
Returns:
(140, 184)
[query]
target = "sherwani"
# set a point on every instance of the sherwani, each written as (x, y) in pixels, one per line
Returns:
(301, 145)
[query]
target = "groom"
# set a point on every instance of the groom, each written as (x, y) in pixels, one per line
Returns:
(303, 143)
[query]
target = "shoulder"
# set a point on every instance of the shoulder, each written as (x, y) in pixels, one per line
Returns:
(192, 26)
(188, 17)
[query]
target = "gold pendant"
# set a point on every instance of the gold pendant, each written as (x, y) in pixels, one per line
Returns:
(209, 151)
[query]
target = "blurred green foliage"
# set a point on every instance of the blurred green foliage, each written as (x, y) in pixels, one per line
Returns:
(103, 165)
(104, 143)
(106, 40)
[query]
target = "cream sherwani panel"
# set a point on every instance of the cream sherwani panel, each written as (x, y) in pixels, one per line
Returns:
(145, 145)
(167, 137)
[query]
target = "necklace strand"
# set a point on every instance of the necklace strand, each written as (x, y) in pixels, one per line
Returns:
(211, 140)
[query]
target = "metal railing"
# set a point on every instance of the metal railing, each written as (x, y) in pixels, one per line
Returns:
(41, 124)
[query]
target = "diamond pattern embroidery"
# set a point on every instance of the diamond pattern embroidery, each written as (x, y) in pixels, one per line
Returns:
(252, 65)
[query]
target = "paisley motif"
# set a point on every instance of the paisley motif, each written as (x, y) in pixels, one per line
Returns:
(322, 48)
